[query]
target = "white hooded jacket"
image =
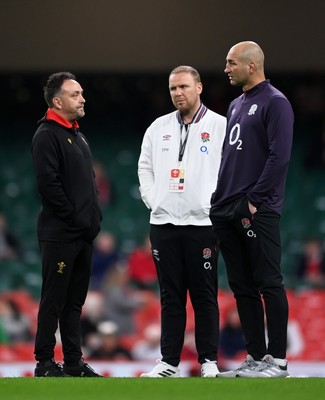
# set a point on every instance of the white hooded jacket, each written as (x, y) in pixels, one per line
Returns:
(201, 160)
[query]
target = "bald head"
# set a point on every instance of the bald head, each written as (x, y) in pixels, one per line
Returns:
(245, 64)
(250, 52)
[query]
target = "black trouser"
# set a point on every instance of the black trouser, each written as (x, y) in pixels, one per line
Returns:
(251, 248)
(185, 258)
(66, 269)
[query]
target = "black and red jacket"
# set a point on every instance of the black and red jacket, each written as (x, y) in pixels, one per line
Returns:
(66, 182)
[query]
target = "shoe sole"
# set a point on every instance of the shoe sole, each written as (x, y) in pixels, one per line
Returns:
(227, 374)
(146, 376)
(263, 376)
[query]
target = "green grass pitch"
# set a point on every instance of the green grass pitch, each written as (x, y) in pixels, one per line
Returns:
(160, 389)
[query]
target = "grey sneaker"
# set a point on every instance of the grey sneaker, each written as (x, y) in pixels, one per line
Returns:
(248, 365)
(268, 368)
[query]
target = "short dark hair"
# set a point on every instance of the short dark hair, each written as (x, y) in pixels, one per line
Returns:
(54, 84)
(189, 69)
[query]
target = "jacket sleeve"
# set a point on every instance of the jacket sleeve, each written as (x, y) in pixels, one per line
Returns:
(46, 159)
(145, 170)
(279, 127)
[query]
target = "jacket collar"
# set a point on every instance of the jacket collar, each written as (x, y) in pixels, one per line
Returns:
(197, 117)
(53, 116)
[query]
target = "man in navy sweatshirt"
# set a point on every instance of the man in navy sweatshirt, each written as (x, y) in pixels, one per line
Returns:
(246, 208)
(68, 222)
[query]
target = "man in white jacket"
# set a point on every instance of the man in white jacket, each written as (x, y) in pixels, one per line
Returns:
(178, 169)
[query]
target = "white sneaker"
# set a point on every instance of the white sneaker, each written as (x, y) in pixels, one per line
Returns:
(162, 370)
(209, 369)
(268, 368)
(246, 366)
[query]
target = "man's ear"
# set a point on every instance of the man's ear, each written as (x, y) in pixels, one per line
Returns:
(57, 102)
(199, 87)
(252, 67)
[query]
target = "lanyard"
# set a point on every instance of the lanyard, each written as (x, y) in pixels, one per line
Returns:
(182, 143)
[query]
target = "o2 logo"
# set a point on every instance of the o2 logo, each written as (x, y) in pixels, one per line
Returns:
(207, 265)
(234, 137)
(251, 234)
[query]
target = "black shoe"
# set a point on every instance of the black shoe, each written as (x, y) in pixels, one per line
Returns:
(49, 368)
(82, 370)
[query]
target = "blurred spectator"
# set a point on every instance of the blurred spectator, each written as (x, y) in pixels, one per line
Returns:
(148, 348)
(92, 314)
(9, 245)
(189, 352)
(295, 341)
(15, 326)
(142, 270)
(103, 184)
(232, 340)
(109, 346)
(121, 301)
(311, 266)
(105, 256)
(3, 334)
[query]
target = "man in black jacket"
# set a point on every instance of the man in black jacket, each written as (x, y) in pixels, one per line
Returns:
(69, 221)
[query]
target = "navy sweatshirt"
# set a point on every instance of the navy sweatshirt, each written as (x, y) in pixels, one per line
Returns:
(257, 148)
(66, 183)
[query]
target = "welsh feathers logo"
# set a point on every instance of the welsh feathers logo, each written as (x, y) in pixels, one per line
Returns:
(205, 136)
(61, 266)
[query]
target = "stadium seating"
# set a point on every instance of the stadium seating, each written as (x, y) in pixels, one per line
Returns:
(128, 219)
(126, 216)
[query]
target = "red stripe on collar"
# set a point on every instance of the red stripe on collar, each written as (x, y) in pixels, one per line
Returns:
(52, 115)
(197, 117)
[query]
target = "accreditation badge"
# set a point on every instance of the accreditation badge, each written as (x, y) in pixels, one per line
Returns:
(176, 180)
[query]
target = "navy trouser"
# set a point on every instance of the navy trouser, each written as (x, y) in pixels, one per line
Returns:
(66, 269)
(251, 248)
(185, 259)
